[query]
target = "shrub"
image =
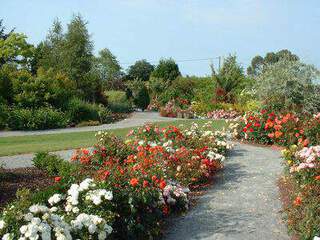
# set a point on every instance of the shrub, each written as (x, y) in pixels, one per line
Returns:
(180, 88)
(118, 101)
(3, 116)
(34, 119)
(303, 176)
(142, 99)
(53, 165)
(46, 89)
(80, 111)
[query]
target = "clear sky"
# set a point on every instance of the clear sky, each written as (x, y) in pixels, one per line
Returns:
(181, 29)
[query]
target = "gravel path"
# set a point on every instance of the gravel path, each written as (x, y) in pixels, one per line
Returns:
(136, 119)
(242, 204)
(24, 160)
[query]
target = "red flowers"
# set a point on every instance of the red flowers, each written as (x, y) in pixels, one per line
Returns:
(57, 179)
(317, 178)
(134, 182)
(85, 151)
(162, 184)
(145, 183)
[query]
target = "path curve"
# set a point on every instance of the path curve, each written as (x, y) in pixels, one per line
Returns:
(242, 204)
(25, 160)
(136, 119)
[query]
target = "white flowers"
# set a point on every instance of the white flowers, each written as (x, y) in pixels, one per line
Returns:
(93, 223)
(56, 198)
(35, 209)
(97, 196)
(2, 224)
(41, 222)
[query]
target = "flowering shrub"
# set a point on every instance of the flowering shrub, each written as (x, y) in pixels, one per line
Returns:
(81, 213)
(301, 136)
(303, 171)
(223, 114)
(133, 183)
(269, 128)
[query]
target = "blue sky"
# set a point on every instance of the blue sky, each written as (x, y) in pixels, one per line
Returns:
(182, 29)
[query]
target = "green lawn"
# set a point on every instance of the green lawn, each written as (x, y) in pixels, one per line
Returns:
(62, 141)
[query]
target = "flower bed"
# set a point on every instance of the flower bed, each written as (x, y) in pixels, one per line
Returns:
(122, 189)
(171, 109)
(302, 168)
(223, 114)
(301, 184)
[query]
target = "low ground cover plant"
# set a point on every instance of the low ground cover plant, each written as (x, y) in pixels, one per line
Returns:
(121, 188)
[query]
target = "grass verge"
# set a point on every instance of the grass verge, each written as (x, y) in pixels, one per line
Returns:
(62, 141)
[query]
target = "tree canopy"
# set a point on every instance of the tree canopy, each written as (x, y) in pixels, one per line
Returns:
(167, 69)
(140, 70)
(259, 64)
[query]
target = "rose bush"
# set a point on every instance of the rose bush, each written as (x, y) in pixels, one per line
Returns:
(302, 166)
(130, 185)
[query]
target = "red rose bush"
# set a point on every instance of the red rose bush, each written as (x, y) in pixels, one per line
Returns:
(123, 188)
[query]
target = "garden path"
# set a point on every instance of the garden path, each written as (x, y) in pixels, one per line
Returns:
(136, 119)
(242, 204)
(24, 160)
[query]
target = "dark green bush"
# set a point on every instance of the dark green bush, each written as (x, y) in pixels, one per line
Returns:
(53, 164)
(142, 100)
(80, 110)
(3, 116)
(118, 101)
(34, 119)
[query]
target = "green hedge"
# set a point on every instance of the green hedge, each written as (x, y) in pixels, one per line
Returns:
(36, 119)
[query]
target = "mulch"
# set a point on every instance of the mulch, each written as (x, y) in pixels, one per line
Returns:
(13, 179)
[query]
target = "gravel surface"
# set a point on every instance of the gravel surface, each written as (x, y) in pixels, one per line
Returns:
(136, 119)
(242, 204)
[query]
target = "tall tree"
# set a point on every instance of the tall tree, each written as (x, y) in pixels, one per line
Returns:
(140, 70)
(51, 51)
(259, 64)
(77, 52)
(107, 65)
(167, 69)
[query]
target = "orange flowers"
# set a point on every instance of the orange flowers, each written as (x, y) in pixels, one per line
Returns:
(277, 127)
(278, 134)
(317, 178)
(297, 201)
(134, 182)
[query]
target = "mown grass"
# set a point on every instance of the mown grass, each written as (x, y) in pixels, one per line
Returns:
(62, 141)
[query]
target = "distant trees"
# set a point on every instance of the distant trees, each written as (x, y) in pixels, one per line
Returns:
(167, 69)
(258, 63)
(289, 84)
(109, 69)
(140, 70)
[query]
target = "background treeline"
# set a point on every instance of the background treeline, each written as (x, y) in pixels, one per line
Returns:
(60, 82)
